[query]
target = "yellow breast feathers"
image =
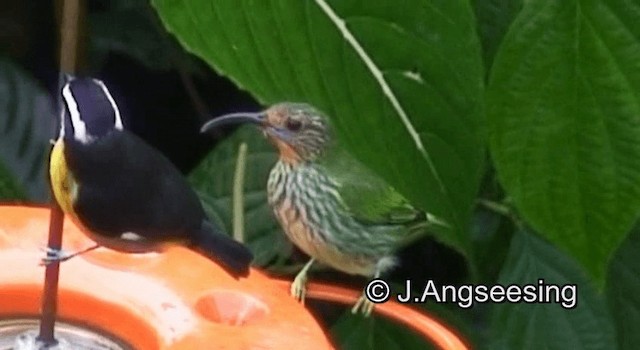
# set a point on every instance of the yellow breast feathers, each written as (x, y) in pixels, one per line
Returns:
(64, 186)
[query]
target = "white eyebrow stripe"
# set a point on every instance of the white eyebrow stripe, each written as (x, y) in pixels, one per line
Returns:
(79, 127)
(63, 110)
(61, 134)
(119, 125)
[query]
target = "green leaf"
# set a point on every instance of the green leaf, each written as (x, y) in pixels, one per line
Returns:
(623, 291)
(27, 119)
(132, 28)
(564, 114)
(357, 332)
(9, 188)
(550, 325)
(403, 84)
(494, 18)
(213, 180)
(491, 243)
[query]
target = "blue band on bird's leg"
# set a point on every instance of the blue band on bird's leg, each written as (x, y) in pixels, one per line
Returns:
(58, 255)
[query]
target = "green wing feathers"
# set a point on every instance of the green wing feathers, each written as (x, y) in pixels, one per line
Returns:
(371, 199)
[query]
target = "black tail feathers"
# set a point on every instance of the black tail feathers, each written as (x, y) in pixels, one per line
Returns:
(232, 255)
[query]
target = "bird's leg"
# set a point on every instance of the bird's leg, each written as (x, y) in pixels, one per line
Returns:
(59, 255)
(298, 287)
(364, 305)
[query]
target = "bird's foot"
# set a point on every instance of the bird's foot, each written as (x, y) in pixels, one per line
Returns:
(54, 255)
(59, 255)
(299, 286)
(363, 305)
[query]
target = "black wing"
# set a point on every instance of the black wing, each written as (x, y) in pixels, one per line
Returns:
(125, 185)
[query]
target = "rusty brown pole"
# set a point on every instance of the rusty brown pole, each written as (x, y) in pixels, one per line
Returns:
(69, 23)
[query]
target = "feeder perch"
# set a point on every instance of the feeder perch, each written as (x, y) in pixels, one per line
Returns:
(172, 300)
(176, 299)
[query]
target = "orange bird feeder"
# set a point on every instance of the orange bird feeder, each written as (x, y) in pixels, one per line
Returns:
(172, 300)
(176, 299)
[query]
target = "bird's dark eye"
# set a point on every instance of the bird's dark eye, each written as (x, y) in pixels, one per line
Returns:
(293, 124)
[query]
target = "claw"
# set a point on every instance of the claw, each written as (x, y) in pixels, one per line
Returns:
(363, 305)
(59, 255)
(54, 255)
(298, 287)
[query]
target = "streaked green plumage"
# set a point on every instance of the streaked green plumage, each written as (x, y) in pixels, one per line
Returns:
(328, 203)
(365, 195)
(353, 213)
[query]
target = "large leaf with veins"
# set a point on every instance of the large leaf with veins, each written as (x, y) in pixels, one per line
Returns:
(401, 80)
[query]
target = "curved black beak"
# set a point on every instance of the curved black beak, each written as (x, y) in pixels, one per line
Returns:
(258, 118)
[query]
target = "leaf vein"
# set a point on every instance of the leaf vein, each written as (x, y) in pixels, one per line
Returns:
(386, 89)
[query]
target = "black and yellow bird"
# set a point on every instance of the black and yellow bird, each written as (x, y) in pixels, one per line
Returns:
(126, 194)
